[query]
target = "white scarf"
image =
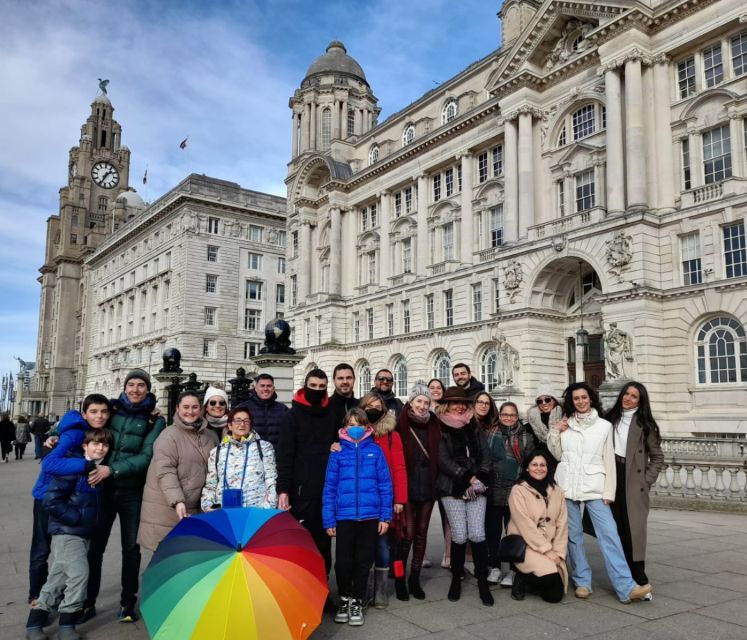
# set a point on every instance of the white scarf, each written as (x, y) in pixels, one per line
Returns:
(621, 431)
(583, 421)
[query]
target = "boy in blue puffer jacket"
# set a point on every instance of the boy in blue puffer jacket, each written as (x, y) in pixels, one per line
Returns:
(74, 507)
(356, 508)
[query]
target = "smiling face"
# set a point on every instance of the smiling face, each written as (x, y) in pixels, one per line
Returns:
(216, 407)
(437, 390)
(631, 398)
(96, 450)
(136, 390)
(189, 409)
(537, 468)
(581, 401)
(458, 408)
(461, 376)
(546, 404)
(241, 425)
(265, 388)
(508, 416)
(383, 382)
(96, 415)
(420, 405)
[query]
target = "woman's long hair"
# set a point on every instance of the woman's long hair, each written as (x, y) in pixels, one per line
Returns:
(569, 409)
(644, 417)
(492, 416)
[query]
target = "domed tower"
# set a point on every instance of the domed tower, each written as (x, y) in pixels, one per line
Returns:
(334, 102)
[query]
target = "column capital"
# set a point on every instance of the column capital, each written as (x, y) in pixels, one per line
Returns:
(662, 58)
(463, 154)
(521, 110)
(384, 193)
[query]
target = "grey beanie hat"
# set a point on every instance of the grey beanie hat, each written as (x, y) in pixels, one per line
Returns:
(420, 389)
(138, 374)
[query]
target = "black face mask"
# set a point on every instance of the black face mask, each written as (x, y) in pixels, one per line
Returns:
(374, 415)
(314, 396)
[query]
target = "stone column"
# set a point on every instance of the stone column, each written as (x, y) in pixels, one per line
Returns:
(335, 120)
(511, 184)
(635, 143)
(384, 246)
(304, 270)
(312, 126)
(663, 134)
(348, 259)
(615, 162)
(526, 173)
(736, 135)
(421, 251)
(344, 120)
(335, 251)
(294, 129)
(305, 119)
(467, 242)
(697, 179)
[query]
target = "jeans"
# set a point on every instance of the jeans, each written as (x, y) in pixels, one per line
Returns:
(354, 555)
(40, 549)
(382, 552)
(124, 503)
(609, 544)
(496, 521)
(38, 442)
(65, 588)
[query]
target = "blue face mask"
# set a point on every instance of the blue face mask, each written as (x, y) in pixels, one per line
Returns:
(356, 432)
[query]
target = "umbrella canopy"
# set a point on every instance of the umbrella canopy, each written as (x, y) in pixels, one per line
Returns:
(235, 573)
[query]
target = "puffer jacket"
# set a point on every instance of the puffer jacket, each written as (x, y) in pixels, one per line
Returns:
(505, 466)
(72, 429)
(463, 453)
(226, 467)
(357, 485)
(134, 430)
(391, 444)
(586, 470)
(268, 416)
(74, 506)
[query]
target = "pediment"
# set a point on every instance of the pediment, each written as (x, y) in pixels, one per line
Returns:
(575, 149)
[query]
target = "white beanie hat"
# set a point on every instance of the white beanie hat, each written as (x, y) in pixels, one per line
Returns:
(545, 389)
(215, 391)
(420, 389)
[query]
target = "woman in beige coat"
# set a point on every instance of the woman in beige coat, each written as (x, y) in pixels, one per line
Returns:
(177, 471)
(539, 516)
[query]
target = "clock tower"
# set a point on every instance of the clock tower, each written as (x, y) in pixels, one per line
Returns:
(95, 201)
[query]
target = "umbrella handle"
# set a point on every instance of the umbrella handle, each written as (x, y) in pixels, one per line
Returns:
(300, 633)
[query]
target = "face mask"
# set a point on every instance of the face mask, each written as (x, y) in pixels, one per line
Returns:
(374, 415)
(356, 432)
(314, 396)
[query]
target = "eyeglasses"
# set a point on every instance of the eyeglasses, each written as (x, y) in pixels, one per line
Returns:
(382, 379)
(217, 403)
(239, 422)
(509, 415)
(544, 400)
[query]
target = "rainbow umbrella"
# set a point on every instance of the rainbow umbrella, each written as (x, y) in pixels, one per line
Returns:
(243, 574)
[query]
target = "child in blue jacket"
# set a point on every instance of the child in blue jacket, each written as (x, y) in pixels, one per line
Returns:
(356, 508)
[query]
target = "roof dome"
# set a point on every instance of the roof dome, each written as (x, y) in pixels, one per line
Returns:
(132, 199)
(336, 60)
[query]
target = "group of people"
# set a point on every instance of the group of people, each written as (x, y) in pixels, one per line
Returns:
(13, 436)
(365, 472)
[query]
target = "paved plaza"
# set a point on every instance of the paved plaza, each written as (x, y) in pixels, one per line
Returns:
(696, 561)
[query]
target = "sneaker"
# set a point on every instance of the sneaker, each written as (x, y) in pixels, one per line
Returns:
(648, 597)
(494, 576)
(356, 613)
(427, 564)
(639, 592)
(127, 615)
(343, 611)
(583, 593)
(507, 580)
(87, 614)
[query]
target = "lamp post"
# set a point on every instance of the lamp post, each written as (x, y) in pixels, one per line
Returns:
(225, 363)
(582, 335)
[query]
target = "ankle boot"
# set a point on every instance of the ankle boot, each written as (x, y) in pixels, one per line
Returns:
(458, 552)
(519, 586)
(37, 619)
(413, 583)
(381, 592)
(480, 556)
(67, 626)
(400, 589)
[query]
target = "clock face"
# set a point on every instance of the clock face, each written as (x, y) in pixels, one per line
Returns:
(105, 175)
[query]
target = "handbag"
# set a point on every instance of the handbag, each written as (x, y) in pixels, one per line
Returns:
(512, 549)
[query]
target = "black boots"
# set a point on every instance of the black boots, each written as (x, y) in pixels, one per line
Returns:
(413, 583)
(480, 556)
(458, 552)
(519, 586)
(400, 589)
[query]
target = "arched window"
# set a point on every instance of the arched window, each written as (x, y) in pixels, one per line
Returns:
(326, 129)
(408, 135)
(582, 123)
(449, 111)
(400, 377)
(364, 378)
(442, 368)
(373, 154)
(487, 369)
(721, 352)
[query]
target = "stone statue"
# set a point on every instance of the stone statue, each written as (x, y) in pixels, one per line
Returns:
(507, 361)
(103, 84)
(514, 277)
(240, 387)
(272, 236)
(192, 384)
(277, 337)
(619, 253)
(172, 358)
(617, 350)
(25, 366)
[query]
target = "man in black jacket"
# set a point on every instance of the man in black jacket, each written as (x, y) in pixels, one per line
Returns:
(463, 378)
(308, 432)
(39, 427)
(267, 412)
(342, 400)
(383, 383)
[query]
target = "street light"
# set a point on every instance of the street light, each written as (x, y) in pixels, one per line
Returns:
(225, 363)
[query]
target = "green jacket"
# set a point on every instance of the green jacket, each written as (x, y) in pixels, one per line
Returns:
(132, 448)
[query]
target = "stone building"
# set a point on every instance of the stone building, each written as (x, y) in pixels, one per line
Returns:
(584, 182)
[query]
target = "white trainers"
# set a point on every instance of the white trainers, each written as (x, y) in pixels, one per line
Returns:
(343, 611)
(494, 577)
(507, 580)
(356, 613)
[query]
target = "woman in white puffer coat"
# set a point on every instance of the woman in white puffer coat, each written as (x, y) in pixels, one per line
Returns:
(582, 442)
(241, 469)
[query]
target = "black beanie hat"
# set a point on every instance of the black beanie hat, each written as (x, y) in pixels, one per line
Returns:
(138, 374)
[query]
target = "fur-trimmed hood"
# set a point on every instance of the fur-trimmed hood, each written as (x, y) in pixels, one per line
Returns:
(386, 425)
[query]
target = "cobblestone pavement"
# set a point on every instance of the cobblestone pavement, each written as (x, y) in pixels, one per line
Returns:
(697, 562)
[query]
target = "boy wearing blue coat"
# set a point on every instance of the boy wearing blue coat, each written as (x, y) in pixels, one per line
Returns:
(356, 508)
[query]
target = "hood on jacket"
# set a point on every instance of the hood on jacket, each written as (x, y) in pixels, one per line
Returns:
(72, 420)
(385, 425)
(300, 398)
(344, 437)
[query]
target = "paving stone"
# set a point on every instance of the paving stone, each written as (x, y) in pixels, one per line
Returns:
(734, 611)
(524, 626)
(697, 593)
(587, 618)
(725, 580)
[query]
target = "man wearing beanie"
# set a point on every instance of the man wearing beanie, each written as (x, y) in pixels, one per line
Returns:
(134, 429)
(308, 432)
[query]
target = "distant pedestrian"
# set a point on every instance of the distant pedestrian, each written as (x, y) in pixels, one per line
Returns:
(23, 436)
(39, 429)
(7, 436)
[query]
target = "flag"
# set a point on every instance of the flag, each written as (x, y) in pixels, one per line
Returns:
(145, 176)
(183, 143)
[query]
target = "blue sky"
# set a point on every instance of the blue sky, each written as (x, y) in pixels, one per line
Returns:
(220, 72)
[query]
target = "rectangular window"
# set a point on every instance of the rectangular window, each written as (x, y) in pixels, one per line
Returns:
(252, 319)
(294, 244)
(208, 348)
(351, 122)
(498, 161)
(213, 224)
(477, 302)
(364, 218)
(211, 283)
(449, 307)
(255, 233)
(585, 190)
(371, 258)
(735, 254)
(103, 203)
(713, 67)
(691, 267)
(407, 255)
(405, 316)
(251, 349)
(496, 226)
(448, 231)
(561, 197)
(482, 167)
(496, 296)
(212, 254)
(437, 187)
(319, 329)
(255, 261)
(390, 319)
(293, 289)
(449, 182)
(459, 178)
(370, 323)
(210, 316)
(73, 238)
(398, 204)
(253, 290)
(583, 122)
(374, 216)
(282, 238)
(686, 174)
(281, 265)
(429, 312)
(356, 327)
(716, 154)
(168, 259)
(280, 294)
(408, 200)
(686, 77)
(739, 54)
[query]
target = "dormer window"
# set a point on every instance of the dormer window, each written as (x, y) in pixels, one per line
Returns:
(408, 135)
(449, 111)
(373, 154)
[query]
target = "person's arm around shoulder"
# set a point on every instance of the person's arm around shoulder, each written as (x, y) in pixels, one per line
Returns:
(138, 464)
(57, 462)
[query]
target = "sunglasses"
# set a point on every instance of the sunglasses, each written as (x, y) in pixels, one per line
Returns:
(217, 403)
(385, 379)
(544, 400)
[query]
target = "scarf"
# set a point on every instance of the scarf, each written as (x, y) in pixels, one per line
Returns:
(580, 422)
(217, 423)
(143, 408)
(196, 426)
(511, 438)
(411, 415)
(540, 486)
(456, 421)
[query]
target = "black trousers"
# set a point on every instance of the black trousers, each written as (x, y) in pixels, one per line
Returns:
(20, 450)
(549, 587)
(620, 514)
(354, 555)
(41, 547)
(496, 521)
(309, 515)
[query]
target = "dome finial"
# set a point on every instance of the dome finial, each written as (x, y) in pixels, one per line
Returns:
(336, 44)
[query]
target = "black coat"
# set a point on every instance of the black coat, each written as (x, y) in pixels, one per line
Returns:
(463, 453)
(393, 403)
(473, 388)
(74, 506)
(40, 426)
(268, 416)
(7, 431)
(340, 405)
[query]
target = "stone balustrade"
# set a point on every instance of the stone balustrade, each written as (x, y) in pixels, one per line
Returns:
(564, 224)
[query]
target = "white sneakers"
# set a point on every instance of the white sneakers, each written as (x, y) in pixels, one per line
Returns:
(356, 613)
(494, 576)
(507, 580)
